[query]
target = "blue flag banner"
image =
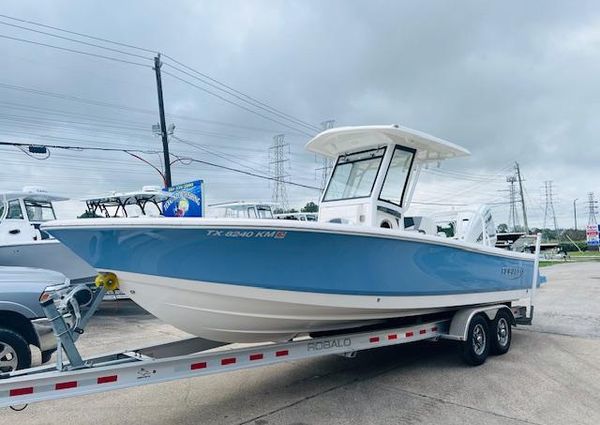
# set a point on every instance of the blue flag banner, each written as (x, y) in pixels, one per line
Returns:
(187, 200)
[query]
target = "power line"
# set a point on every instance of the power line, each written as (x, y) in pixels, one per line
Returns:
(105, 40)
(63, 96)
(244, 98)
(76, 41)
(80, 52)
(79, 148)
(212, 164)
(311, 126)
(217, 154)
(75, 98)
(203, 77)
(471, 188)
(236, 104)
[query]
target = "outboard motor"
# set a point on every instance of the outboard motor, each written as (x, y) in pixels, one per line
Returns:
(476, 225)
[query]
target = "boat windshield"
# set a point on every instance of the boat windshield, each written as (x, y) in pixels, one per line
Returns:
(39, 210)
(354, 175)
(264, 211)
(395, 179)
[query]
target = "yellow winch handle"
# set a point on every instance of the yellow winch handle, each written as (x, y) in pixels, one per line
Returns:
(108, 280)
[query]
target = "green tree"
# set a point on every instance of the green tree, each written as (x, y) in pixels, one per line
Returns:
(89, 214)
(310, 207)
(502, 228)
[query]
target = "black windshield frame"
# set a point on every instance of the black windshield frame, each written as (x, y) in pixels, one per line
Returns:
(408, 175)
(340, 157)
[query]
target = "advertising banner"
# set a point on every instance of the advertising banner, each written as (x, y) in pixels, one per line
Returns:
(592, 234)
(187, 200)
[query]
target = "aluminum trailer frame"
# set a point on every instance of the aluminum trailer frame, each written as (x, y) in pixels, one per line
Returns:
(197, 357)
(158, 364)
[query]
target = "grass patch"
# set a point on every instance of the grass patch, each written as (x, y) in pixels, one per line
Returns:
(585, 254)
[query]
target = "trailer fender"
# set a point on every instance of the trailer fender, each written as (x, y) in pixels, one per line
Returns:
(459, 325)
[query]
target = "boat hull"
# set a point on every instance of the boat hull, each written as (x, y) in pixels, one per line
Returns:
(50, 255)
(232, 313)
(250, 281)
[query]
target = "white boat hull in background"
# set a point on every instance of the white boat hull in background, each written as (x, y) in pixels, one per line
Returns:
(48, 254)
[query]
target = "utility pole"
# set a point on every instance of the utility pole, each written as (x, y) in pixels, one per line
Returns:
(525, 225)
(575, 212)
(163, 122)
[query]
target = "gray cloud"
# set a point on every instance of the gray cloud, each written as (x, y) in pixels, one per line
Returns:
(510, 81)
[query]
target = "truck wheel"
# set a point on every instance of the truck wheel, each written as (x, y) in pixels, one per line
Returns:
(14, 351)
(501, 332)
(477, 346)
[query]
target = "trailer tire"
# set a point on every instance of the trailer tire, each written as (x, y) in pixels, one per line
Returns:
(476, 348)
(47, 355)
(14, 351)
(501, 332)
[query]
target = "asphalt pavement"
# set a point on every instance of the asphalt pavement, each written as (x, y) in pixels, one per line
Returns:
(551, 375)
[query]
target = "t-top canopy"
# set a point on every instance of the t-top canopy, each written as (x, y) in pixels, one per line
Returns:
(243, 204)
(343, 140)
(33, 193)
(131, 198)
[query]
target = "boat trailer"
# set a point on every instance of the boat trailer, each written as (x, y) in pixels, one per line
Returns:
(480, 330)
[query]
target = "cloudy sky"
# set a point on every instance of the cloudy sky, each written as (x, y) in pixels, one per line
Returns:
(511, 81)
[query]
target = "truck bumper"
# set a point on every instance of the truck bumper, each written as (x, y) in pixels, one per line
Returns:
(44, 333)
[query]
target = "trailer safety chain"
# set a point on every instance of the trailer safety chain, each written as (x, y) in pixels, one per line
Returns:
(19, 409)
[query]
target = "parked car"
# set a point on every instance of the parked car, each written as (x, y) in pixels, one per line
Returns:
(22, 320)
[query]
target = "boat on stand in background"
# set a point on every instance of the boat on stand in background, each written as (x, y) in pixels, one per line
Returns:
(365, 261)
(242, 209)
(145, 202)
(23, 243)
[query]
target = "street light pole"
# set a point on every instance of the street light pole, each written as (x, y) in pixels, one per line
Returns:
(575, 212)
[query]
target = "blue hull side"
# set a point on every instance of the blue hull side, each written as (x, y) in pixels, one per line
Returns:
(298, 260)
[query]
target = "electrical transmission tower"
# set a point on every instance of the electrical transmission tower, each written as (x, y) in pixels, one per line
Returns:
(592, 209)
(513, 217)
(279, 164)
(326, 163)
(549, 209)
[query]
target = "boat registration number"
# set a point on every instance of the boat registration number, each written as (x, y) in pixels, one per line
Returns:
(273, 234)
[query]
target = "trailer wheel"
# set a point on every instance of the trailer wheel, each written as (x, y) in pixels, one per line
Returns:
(14, 351)
(47, 355)
(502, 333)
(477, 346)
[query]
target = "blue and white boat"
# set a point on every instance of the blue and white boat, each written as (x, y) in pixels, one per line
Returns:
(364, 261)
